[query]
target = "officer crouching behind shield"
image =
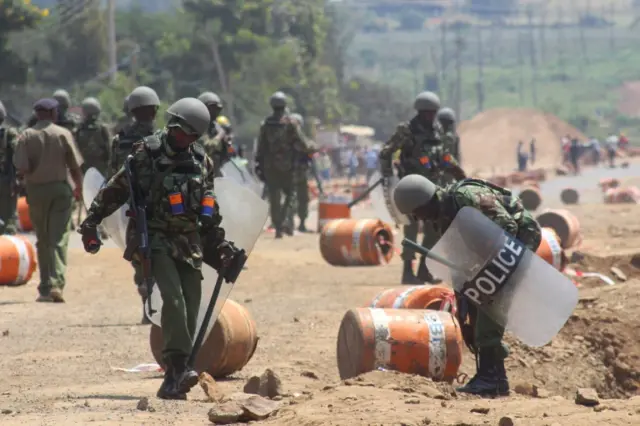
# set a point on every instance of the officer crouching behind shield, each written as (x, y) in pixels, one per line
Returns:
(417, 196)
(175, 178)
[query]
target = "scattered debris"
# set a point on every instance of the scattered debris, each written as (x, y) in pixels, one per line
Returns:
(618, 273)
(143, 404)
(587, 397)
(539, 392)
(309, 374)
(480, 410)
(526, 389)
(226, 413)
(506, 421)
(268, 384)
(243, 409)
(6, 411)
(210, 387)
(5, 333)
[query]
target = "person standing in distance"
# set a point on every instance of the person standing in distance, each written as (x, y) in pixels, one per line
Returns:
(8, 177)
(44, 154)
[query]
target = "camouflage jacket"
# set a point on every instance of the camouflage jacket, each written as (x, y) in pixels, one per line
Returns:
(496, 203)
(280, 145)
(451, 141)
(421, 151)
(122, 123)
(8, 142)
(93, 140)
(69, 121)
(122, 144)
(177, 189)
(217, 144)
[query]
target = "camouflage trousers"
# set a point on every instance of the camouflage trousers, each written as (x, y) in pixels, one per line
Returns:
(8, 210)
(302, 195)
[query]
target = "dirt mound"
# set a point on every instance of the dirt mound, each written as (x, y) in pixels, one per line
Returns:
(490, 139)
(629, 103)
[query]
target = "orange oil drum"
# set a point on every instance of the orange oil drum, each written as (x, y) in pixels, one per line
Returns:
(622, 195)
(24, 220)
(516, 178)
(538, 175)
(531, 184)
(356, 242)
(332, 208)
(608, 183)
(229, 346)
(423, 342)
(17, 260)
(570, 196)
(551, 250)
(531, 198)
(565, 225)
(434, 297)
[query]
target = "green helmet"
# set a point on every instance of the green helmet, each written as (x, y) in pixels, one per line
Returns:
(278, 100)
(143, 96)
(91, 106)
(298, 118)
(192, 112)
(63, 98)
(426, 101)
(412, 192)
(446, 114)
(210, 98)
(3, 112)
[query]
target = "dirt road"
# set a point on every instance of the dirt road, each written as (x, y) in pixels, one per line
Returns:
(56, 359)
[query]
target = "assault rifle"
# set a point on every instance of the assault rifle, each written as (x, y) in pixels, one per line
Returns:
(138, 212)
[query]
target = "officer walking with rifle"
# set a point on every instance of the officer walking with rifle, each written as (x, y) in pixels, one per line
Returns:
(168, 181)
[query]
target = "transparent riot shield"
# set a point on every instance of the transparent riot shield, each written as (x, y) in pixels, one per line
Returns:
(236, 170)
(244, 215)
(510, 283)
(382, 200)
(116, 224)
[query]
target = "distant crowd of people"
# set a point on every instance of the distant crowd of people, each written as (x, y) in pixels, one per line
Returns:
(351, 163)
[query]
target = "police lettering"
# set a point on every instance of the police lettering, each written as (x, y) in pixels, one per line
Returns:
(496, 273)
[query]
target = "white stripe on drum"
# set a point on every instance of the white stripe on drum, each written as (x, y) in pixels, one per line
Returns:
(23, 258)
(397, 304)
(382, 335)
(556, 250)
(437, 345)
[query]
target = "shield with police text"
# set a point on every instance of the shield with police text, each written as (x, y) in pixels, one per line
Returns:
(510, 283)
(244, 215)
(382, 200)
(116, 224)
(238, 171)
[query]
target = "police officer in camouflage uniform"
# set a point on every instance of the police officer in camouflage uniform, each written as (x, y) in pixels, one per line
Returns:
(177, 179)
(416, 195)
(447, 119)
(421, 152)
(93, 138)
(143, 102)
(124, 120)
(143, 105)
(280, 146)
(216, 141)
(301, 182)
(66, 119)
(8, 178)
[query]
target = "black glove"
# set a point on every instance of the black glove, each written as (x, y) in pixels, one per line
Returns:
(90, 237)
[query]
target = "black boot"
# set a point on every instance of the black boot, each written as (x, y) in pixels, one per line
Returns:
(168, 388)
(287, 228)
(302, 227)
(278, 233)
(407, 275)
(425, 275)
(491, 377)
(186, 378)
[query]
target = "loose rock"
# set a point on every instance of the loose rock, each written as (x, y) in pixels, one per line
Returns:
(618, 273)
(480, 410)
(309, 374)
(506, 421)
(226, 413)
(258, 408)
(143, 404)
(524, 389)
(587, 397)
(210, 387)
(268, 384)
(6, 411)
(539, 392)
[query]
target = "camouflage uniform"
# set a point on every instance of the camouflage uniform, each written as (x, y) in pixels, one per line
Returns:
(450, 139)
(122, 144)
(280, 145)
(174, 234)
(8, 190)
(93, 138)
(421, 152)
(216, 144)
(301, 182)
(505, 210)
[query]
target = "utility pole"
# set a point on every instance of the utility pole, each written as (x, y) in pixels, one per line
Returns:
(111, 22)
(534, 62)
(480, 82)
(459, 46)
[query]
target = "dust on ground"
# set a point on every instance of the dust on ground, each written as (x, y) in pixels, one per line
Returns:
(56, 359)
